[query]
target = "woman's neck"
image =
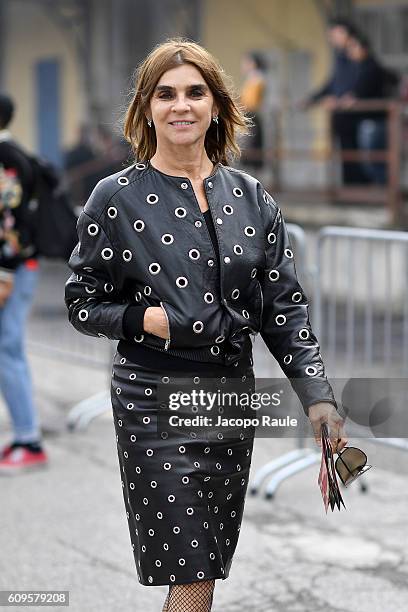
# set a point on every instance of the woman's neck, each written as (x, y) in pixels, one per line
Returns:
(195, 167)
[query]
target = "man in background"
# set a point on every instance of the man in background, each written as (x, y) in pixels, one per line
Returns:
(18, 279)
(375, 81)
(339, 84)
(343, 71)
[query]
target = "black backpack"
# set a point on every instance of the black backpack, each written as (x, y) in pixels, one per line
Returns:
(52, 220)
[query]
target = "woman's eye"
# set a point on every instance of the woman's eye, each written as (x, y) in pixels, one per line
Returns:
(167, 95)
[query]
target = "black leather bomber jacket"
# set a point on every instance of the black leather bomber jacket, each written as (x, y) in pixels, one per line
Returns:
(143, 239)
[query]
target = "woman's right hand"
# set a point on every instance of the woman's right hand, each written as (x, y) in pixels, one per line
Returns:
(155, 322)
(324, 412)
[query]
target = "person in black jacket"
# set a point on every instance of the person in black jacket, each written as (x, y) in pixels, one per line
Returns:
(372, 80)
(78, 157)
(181, 258)
(339, 84)
(18, 279)
(342, 73)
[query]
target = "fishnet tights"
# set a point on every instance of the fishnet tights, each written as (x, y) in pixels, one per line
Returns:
(193, 597)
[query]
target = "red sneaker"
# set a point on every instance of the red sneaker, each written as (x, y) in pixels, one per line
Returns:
(5, 451)
(21, 459)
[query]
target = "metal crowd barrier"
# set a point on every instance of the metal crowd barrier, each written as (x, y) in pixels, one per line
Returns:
(373, 309)
(360, 315)
(100, 355)
(84, 354)
(362, 283)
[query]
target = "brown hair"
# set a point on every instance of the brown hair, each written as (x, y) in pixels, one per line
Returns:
(165, 56)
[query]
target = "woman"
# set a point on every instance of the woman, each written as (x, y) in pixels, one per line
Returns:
(252, 94)
(182, 301)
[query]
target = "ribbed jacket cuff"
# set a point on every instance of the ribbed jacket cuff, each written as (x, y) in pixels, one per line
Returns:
(314, 390)
(133, 320)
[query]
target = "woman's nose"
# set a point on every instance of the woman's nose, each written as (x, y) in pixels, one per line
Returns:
(181, 104)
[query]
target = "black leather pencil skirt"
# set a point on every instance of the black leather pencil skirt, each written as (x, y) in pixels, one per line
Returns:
(184, 487)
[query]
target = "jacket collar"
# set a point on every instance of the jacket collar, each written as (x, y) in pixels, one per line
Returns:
(217, 167)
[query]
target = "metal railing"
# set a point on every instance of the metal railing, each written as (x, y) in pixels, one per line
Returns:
(291, 138)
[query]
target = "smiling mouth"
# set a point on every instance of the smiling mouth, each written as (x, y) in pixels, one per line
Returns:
(181, 122)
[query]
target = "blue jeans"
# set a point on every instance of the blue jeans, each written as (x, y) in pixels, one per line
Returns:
(372, 135)
(15, 379)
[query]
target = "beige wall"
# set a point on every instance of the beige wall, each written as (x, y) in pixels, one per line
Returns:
(267, 25)
(230, 28)
(32, 36)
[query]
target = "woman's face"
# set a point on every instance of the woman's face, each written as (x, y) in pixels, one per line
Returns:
(182, 106)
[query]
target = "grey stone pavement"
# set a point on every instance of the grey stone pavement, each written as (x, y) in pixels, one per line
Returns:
(65, 528)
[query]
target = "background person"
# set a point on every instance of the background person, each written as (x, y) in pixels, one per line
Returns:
(112, 152)
(340, 83)
(18, 280)
(78, 158)
(341, 77)
(252, 96)
(373, 81)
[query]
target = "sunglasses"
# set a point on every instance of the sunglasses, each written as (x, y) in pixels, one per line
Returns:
(350, 464)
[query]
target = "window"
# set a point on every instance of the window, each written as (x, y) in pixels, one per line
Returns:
(387, 29)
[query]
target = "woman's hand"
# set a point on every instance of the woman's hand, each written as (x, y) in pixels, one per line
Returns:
(155, 322)
(323, 412)
(6, 287)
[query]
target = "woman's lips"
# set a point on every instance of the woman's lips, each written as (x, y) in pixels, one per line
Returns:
(182, 125)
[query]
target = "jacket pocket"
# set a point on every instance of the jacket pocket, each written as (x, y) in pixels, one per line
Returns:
(168, 340)
(261, 303)
(187, 330)
(237, 340)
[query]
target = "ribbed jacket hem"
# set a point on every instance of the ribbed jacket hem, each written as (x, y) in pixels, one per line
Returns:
(134, 352)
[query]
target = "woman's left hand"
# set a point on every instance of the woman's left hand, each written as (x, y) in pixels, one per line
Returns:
(155, 322)
(324, 412)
